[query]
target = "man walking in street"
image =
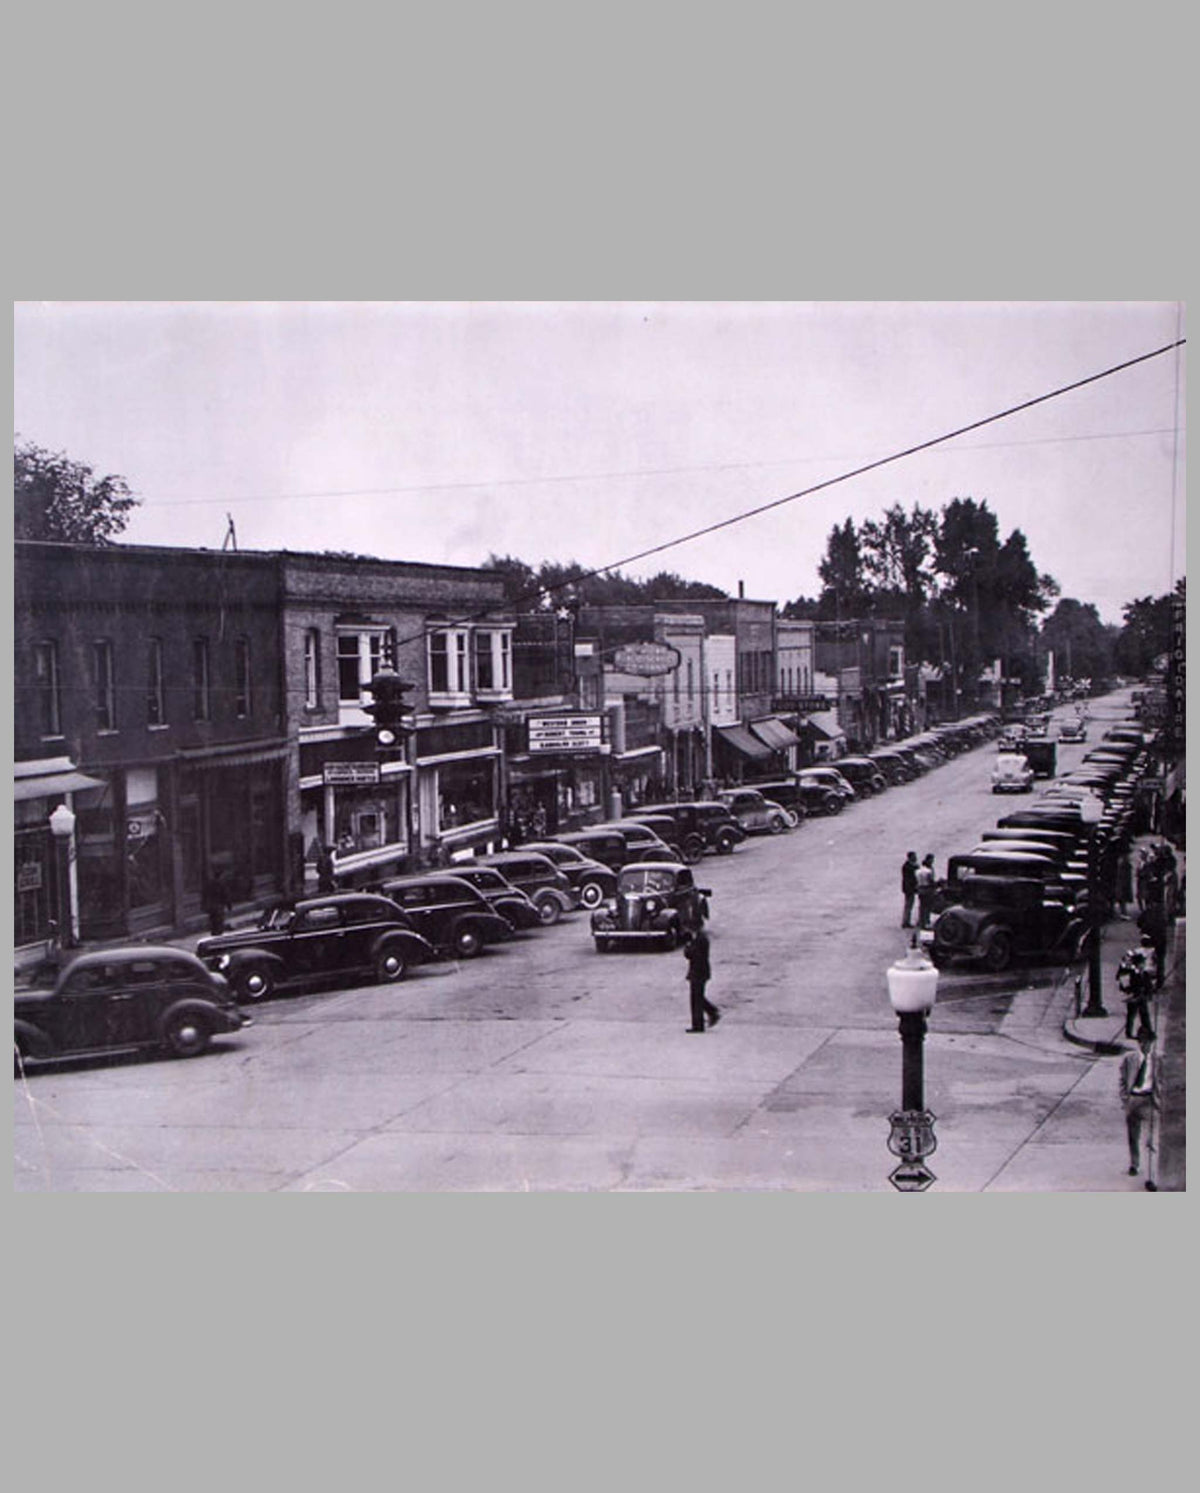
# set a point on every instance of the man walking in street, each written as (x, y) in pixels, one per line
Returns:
(1139, 1097)
(908, 885)
(698, 975)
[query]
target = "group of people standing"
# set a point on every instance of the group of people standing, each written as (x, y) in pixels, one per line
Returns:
(918, 884)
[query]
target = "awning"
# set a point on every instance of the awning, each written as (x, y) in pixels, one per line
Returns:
(232, 756)
(42, 784)
(742, 741)
(60, 782)
(773, 733)
(826, 723)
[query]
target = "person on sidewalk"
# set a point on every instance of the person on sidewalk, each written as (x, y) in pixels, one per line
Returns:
(1139, 1096)
(698, 975)
(1136, 984)
(908, 885)
(926, 892)
(326, 882)
(216, 900)
(1153, 925)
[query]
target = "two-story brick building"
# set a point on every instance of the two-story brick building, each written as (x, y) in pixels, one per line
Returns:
(149, 703)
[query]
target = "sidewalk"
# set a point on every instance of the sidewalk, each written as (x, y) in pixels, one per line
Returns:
(1105, 1035)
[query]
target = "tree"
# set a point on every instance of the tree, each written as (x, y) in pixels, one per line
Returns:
(845, 592)
(58, 499)
(1082, 645)
(1146, 635)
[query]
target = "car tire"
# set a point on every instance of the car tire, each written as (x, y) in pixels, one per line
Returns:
(391, 965)
(549, 909)
(467, 942)
(725, 844)
(998, 954)
(778, 824)
(693, 849)
(833, 804)
(186, 1034)
(591, 894)
(255, 982)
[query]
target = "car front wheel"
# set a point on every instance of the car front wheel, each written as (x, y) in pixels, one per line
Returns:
(391, 965)
(725, 844)
(693, 849)
(591, 894)
(467, 942)
(254, 983)
(999, 952)
(186, 1034)
(549, 910)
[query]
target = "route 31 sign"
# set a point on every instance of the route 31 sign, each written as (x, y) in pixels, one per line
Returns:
(912, 1137)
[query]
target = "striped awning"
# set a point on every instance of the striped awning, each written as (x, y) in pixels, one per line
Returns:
(742, 741)
(773, 733)
(51, 784)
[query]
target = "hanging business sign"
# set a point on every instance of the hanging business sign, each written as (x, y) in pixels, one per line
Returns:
(350, 774)
(566, 733)
(646, 659)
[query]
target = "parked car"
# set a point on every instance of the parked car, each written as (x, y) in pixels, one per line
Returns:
(1011, 773)
(1015, 863)
(591, 878)
(701, 825)
(317, 939)
(608, 846)
(645, 838)
(756, 814)
(122, 1000)
(789, 794)
(539, 878)
(829, 777)
(996, 919)
(893, 766)
(457, 917)
(862, 774)
(657, 904)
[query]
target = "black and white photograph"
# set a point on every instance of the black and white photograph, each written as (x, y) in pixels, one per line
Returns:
(430, 716)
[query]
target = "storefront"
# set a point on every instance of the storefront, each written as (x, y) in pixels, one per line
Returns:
(359, 806)
(45, 874)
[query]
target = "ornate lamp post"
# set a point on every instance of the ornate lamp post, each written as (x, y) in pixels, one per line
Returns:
(912, 990)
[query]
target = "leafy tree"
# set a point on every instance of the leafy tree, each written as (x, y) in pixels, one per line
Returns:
(1146, 634)
(845, 591)
(58, 499)
(1082, 645)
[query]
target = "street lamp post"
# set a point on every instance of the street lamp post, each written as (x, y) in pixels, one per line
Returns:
(62, 827)
(912, 990)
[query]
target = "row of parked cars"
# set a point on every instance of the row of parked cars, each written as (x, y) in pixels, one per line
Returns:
(635, 876)
(1024, 890)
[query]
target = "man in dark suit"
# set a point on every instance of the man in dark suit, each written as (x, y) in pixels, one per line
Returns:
(699, 974)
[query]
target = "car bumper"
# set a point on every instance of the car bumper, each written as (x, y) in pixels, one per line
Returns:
(640, 935)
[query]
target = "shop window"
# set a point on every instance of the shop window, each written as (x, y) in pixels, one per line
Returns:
(493, 662)
(716, 690)
(49, 687)
(691, 684)
(466, 793)
(156, 714)
(312, 669)
(201, 680)
(144, 851)
(104, 682)
(449, 682)
(896, 662)
(241, 674)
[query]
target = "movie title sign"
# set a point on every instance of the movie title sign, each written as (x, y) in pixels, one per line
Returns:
(566, 733)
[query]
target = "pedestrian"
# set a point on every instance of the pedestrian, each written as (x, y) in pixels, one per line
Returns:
(698, 975)
(908, 885)
(215, 900)
(926, 892)
(1136, 984)
(1124, 887)
(325, 876)
(1153, 925)
(1139, 1097)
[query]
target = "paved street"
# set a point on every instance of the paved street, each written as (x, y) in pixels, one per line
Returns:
(543, 1065)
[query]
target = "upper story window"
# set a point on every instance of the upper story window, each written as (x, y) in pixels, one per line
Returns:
(449, 673)
(201, 680)
(896, 662)
(493, 662)
(716, 690)
(241, 677)
(156, 713)
(691, 683)
(312, 668)
(49, 687)
(361, 653)
(104, 683)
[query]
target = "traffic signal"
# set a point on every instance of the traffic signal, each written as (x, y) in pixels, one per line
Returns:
(389, 709)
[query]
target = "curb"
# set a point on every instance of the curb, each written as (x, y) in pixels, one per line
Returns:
(1108, 1047)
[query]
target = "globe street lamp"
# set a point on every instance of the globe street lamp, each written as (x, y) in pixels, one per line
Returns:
(912, 989)
(62, 827)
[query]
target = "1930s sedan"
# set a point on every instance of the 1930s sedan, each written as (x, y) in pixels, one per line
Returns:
(120, 1000)
(657, 904)
(317, 939)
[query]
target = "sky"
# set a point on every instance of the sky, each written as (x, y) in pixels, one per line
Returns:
(590, 432)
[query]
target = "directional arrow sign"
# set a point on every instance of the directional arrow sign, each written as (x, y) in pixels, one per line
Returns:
(911, 1176)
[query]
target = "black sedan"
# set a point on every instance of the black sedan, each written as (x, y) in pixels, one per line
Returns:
(315, 940)
(120, 1000)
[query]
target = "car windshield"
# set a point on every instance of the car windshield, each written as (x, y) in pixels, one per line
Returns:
(646, 879)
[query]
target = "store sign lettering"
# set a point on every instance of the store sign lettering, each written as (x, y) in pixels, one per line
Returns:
(565, 733)
(350, 774)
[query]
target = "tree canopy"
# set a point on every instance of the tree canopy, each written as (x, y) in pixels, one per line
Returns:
(56, 498)
(567, 584)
